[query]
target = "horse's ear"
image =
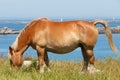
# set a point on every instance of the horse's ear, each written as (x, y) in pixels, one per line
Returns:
(11, 50)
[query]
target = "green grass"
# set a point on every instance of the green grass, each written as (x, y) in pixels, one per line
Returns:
(110, 70)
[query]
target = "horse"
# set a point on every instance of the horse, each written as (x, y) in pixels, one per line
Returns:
(58, 37)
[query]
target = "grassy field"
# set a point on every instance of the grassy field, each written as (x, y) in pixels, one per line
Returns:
(110, 70)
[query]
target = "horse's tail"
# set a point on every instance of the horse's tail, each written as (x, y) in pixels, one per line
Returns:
(108, 34)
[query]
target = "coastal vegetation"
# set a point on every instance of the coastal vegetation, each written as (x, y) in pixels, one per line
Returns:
(62, 70)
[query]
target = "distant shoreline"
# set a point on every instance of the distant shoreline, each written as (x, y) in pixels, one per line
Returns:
(115, 30)
(6, 31)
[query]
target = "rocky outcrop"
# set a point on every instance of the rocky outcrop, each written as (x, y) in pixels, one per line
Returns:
(114, 30)
(6, 30)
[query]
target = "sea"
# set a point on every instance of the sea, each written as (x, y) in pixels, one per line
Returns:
(102, 49)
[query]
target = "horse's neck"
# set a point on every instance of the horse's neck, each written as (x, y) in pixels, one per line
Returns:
(20, 43)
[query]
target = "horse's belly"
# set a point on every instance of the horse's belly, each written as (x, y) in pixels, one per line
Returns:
(61, 49)
(64, 43)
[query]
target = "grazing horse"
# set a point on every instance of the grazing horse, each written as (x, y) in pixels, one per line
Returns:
(44, 35)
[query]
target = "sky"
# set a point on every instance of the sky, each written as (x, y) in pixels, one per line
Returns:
(60, 8)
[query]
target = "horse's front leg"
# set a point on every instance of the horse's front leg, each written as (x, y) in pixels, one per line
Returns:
(41, 58)
(47, 61)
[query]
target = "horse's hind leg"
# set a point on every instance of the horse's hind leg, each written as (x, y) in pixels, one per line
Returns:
(90, 54)
(91, 69)
(41, 58)
(88, 57)
(85, 57)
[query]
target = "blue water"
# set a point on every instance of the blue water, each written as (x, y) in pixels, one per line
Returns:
(101, 50)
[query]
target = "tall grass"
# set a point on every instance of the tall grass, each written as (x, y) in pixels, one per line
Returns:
(60, 70)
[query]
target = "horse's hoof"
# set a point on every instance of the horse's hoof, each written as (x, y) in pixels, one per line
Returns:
(93, 70)
(41, 72)
(48, 70)
(26, 63)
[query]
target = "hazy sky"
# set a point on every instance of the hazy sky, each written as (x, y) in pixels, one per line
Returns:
(59, 8)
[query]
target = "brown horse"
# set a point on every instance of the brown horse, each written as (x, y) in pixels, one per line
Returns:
(59, 37)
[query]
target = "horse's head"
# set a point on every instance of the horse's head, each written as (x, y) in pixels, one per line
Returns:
(16, 59)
